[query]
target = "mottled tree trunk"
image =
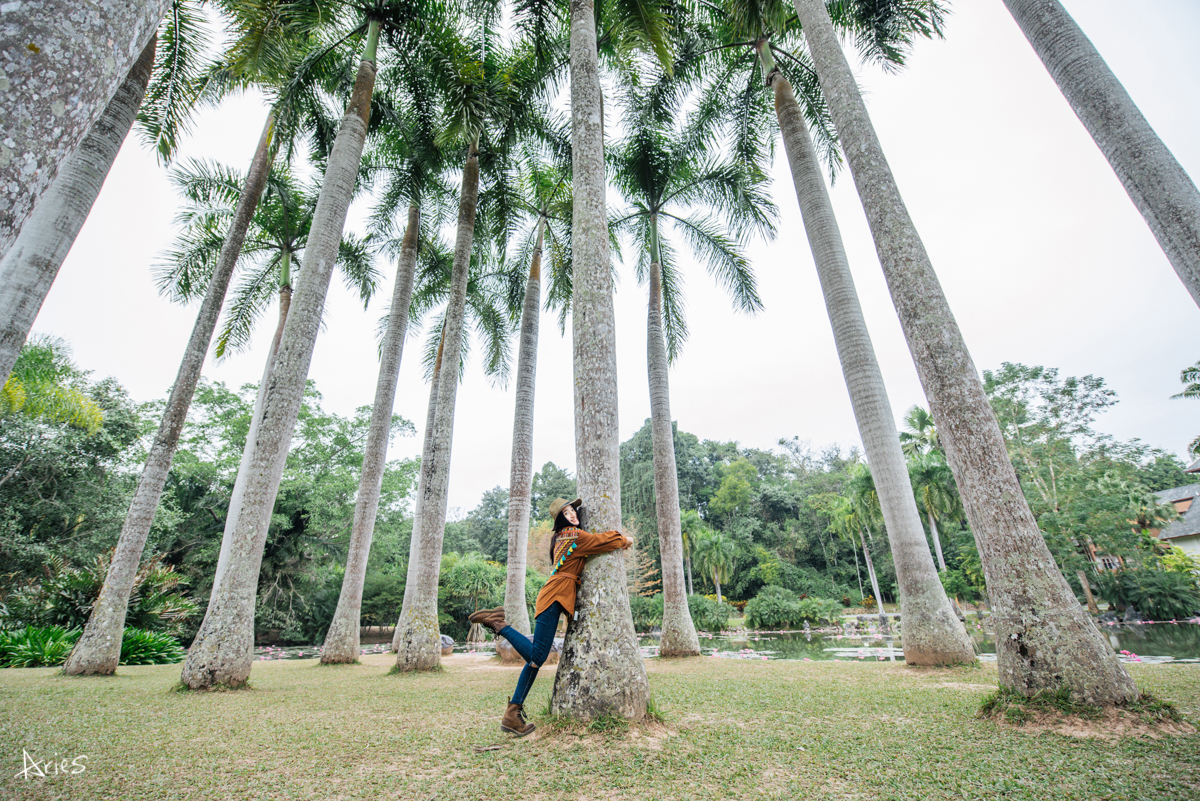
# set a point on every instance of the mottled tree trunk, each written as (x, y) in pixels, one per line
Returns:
(520, 481)
(678, 632)
(222, 651)
(61, 62)
(932, 632)
(414, 540)
(99, 648)
(29, 268)
(601, 670)
(342, 639)
(418, 646)
(1156, 182)
(1045, 640)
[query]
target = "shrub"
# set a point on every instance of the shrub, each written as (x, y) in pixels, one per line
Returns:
(1156, 594)
(37, 646)
(778, 608)
(647, 612)
(150, 648)
(707, 614)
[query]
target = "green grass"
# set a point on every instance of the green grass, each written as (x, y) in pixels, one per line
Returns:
(725, 729)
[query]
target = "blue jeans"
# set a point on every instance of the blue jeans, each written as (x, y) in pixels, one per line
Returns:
(533, 652)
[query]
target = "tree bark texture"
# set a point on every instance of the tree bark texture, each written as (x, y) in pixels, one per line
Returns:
(1156, 182)
(99, 648)
(414, 540)
(520, 480)
(29, 268)
(222, 650)
(678, 632)
(933, 634)
(342, 639)
(61, 62)
(937, 542)
(419, 645)
(1044, 638)
(600, 670)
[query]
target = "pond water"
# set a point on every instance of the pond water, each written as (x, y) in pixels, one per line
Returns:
(1146, 643)
(1143, 642)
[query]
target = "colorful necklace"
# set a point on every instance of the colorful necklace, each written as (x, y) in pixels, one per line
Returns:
(563, 557)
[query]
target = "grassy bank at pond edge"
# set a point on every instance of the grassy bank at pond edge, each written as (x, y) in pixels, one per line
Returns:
(730, 729)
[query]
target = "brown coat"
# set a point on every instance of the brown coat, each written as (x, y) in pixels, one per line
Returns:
(562, 585)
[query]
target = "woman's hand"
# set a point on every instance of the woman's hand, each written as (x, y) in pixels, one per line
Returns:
(628, 543)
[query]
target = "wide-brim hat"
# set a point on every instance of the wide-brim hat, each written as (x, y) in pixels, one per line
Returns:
(557, 505)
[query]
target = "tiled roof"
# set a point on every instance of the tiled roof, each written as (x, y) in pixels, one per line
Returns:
(1194, 467)
(1189, 523)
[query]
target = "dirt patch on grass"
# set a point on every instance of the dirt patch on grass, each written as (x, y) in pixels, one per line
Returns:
(1112, 724)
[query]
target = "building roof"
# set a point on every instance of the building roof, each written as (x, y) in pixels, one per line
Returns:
(1194, 467)
(1189, 523)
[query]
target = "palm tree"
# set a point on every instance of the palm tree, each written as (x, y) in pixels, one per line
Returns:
(716, 554)
(71, 70)
(933, 633)
(1045, 639)
(690, 527)
(413, 163)
(1156, 182)
(168, 100)
(1190, 376)
(919, 436)
(666, 175)
(41, 386)
(933, 485)
(861, 512)
(29, 268)
(221, 652)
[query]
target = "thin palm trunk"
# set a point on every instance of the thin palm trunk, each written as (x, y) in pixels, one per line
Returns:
(678, 632)
(68, 61)
(600, 670)
(1045, 639)
(418, 643)
(1156, 182)
(414, 540)
(717, 587)
(342, 639)
(932, 632)
(858, 571)
(222, 651)
(875, 582)
(937, 541)
(691, 585)
(520, 482)
(29, 268)
(234, 510)
(99, 648)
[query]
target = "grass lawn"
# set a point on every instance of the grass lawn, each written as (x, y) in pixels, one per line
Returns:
(730, 729)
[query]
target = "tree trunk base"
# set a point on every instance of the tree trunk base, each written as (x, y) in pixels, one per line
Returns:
(418, 643)
(678, 634)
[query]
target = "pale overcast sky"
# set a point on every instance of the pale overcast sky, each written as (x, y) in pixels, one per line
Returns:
(1042, 255)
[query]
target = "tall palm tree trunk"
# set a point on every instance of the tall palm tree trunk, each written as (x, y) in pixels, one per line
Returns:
(932, 632)
(862, 536)
(234, 510)
(1044, 638)
(937, 541)
(29, 268)
(520, 481)
(99, 648)
(691, 585)
(600, 670)
(1156, 182)
(342, 639)
(222, 650)
(678, 632)
(418, 644)
(67, 60)
(414, 540)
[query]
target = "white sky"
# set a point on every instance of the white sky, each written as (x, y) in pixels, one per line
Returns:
(1041, 253)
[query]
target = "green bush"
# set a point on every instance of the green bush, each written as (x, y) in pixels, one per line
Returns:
(49, 646)
(383, 595)
(647, 612)
(707, 614)
(779, 608)
(140, 647)
(1156, 594)
(37, 646)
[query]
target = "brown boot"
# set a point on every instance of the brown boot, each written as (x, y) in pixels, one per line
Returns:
(491, 618)
(514, 721)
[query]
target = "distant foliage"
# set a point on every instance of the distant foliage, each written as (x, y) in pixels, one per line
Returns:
(708, 615)
(780, 608)
(647, 612)
(49, 646)
(1155, 594)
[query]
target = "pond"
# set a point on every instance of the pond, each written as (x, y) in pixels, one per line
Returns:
(1147, 643)
(1144, 642)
